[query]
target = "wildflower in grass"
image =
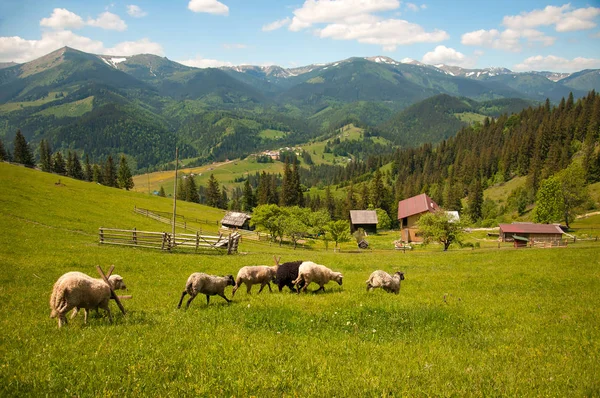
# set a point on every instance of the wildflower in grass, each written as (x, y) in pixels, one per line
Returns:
(347, 323)
(374, 330)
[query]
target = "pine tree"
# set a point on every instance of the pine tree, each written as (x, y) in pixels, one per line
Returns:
(273, 191)
(88, 173)
(162, 193)
(363, 203)
(191, 190)
(288, 193)
(263, 191)
(74, 170)
(45, 159)
(329, 202)
(70, 168)
(213, 194)
(377, 190)
(248, 201)
(97, 174)
(125, 179)
(58, 165)
(181, 191)
(224, 200)
(22, 153)
(475, 200)
(109, 174)
(3, 155)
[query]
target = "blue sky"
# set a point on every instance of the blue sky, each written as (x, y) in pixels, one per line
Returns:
(519, 35)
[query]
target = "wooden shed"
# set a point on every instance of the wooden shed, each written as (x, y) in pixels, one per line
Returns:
(532, 232)
(237, 220)
(365, 219)
(409, 212)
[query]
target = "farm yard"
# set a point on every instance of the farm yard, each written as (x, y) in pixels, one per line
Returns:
(481, 322)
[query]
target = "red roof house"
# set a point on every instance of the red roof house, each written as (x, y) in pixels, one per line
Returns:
(409, 212)
(530, 232)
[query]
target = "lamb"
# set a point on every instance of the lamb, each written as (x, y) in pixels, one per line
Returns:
(383, 280)
(310, 272)
(209, 285)
(78, 290)
(286, 274)
(253, 275)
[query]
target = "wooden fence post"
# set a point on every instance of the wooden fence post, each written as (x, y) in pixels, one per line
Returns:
(101, 235)
(164, 238)
(134, 236)
(197, 240)
(229, 244)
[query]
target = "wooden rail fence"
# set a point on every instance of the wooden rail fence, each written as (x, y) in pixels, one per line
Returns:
(165, 240)
(164, 220)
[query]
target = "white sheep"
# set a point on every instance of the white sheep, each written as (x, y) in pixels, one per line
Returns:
(254, 275)
(209, 285)
(311, 272)
(383, 280)
(78, 290)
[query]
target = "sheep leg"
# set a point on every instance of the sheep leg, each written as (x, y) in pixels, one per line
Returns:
(262, 286)
(85, 315)
(269, 285)
(187, 305)
(249, 289)
(235, 288)
(74, 313)
(223, 295)
(181, 299)
(207, 299)
(321, 288)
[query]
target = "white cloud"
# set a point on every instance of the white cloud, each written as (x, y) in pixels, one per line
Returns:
(337, 11)
(557, 64)
(447, 56)
(276, 25)
(595, 35)
(200, 62)
(136, 11)
(423, 6)
(108, 20)
(208, 6)
(62, 18)
(388, 33)
(509, 39)
(412, 6)
(564, 18)
(20, 50)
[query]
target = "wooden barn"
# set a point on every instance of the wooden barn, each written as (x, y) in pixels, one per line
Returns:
(409, 212)
(236, 220)
(365, 219)
(528, 232)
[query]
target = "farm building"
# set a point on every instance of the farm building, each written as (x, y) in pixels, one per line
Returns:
(523, 233)
(409, 212)
(237, 220)
(365, 219)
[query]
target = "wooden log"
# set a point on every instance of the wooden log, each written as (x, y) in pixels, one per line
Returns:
(112, 292)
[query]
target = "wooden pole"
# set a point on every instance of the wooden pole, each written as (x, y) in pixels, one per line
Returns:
(175, 195)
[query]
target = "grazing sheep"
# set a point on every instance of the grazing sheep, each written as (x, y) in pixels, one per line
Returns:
(310, 272)
(253, 275)
(286, 274)
(78, 290)
(383, 280)
(209, 285)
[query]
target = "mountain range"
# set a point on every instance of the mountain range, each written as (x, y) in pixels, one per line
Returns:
(144, 105)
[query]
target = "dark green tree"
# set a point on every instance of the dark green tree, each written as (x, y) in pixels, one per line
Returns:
(109, 174)
(248, 201)
(224, 199)
(22, 153)
(97, 174)
(181, 191)
(70, 170)
(377, 190)
(58, 165)
(475, 200)
(125, 179)
(88, 173)
(288, 195)
(3, 156)
(263, 190)
(45, 156)
(548, 205)
(191, 190)
(76, 170)
(161, 192)
(363, 202)
(213, 193)
(573, 190)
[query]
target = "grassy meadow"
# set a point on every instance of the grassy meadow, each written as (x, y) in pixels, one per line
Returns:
(484, 322)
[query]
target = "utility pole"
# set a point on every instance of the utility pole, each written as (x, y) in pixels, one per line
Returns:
(175, 196)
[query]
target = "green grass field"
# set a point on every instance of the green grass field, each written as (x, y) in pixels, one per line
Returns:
(466, 322)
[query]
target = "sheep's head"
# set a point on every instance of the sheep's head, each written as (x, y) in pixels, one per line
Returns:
(338, 278)
(116, 281)
(400, 274)
(230, 280)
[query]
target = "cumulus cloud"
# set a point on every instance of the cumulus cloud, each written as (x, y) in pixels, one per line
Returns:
(62, 18)
(564, 18)
(557, 64)
(509, 39)
(200, 62)
(234, 46)
(108, 20)
(20, 50)
(447, 56)
(276, 25)
(388, 33)
(358, 20)
(208, 6)
(136, 11)
(412, 6)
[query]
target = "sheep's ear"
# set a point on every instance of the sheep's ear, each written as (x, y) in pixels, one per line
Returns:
(277, 260)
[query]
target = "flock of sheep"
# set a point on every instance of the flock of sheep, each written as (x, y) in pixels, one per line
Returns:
(75, 290)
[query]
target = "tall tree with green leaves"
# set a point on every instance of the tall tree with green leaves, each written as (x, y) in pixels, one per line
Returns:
(124, 178)
(45, 156)
(377, 190)
(109, 174)
(288, 195)
(191, 190)
(224, 200)
(263, 190)
(3, 156)
(161, 192)
(295, 223)
(88, 173)
(181, 193)
(573, 190)
(70, 164)
(475, 200)
(58, 164)
(363, 202)
(549, 205)
(77, 171)
(268, 218)
(329, 202)
(441, 227)
(22, 153)
(213, 193)
(97, 174)
(248, 200)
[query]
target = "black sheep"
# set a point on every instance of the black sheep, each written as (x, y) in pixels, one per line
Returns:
(286, 274)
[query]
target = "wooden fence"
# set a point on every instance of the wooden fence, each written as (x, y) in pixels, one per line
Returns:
(166, 241)
(180, 220)
(245, 234)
